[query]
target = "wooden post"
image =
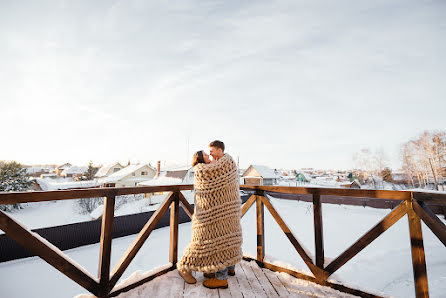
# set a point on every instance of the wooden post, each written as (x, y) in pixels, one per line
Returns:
(418, 257)
(105, 248)
(174, 217)
(318, 231)
(260, 230)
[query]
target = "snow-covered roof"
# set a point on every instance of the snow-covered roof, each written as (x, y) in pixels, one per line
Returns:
(74, 170)
(124, 172)
(64, 166)
(50, 184)
(102, 172)
(265, 172)
(162, 180)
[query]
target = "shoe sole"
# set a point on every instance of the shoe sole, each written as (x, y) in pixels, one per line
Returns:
(222, 287)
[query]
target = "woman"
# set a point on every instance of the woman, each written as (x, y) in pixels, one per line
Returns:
(216, 241)
(200, 157)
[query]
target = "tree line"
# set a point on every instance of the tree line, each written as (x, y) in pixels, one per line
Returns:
(424, 159)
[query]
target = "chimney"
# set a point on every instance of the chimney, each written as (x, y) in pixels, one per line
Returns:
(158, 168)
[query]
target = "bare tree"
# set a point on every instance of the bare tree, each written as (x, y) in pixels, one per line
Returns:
(424, 158)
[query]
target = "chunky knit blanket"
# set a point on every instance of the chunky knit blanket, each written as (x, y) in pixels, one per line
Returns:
(216, 231)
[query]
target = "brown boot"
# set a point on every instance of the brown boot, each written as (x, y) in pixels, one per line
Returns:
(209, 275)
(231, 272)
(187, 276)
(214, 283)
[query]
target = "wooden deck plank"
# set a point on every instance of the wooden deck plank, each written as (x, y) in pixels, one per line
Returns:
(245, 287)
(167, 285)
(234, 287)
(199, 290)
(264, 282)
(255, 284)
(276, 282)
(250, 281)
(225, 293)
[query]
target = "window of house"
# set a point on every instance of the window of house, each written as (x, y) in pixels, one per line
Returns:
(115, 170)
(143, 173)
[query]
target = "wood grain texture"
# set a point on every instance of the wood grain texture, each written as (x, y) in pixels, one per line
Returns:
(260, 215)
(56, 195)
(368, 237)
(418, 257)
(257, 288)
(122, 289)
(174, 219)
(303, 252)
(186, 206)
(49, 253)
(131, 252)
(318, 231)
(263, 280)
(312, 279)
(431, 220)
(379, 194)
(105, 244)
(248, 204)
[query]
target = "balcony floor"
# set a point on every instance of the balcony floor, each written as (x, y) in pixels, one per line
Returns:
(249, 281)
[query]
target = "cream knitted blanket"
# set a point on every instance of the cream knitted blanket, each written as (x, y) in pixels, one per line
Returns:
(216, 231)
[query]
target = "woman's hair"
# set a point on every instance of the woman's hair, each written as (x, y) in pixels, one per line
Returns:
(198, 158)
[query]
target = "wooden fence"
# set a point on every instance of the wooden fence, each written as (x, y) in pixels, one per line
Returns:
(411, 203)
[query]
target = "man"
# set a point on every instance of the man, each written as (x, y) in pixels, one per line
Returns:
(217, 149)
(220, 278)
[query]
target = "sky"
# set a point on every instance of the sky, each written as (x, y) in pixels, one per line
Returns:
(287, 84)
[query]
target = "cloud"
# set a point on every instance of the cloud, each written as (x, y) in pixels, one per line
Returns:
(284, 83)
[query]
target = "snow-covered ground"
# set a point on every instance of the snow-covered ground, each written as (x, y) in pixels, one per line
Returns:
(384, 267)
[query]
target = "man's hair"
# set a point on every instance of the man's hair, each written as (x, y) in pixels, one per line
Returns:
(218, 144)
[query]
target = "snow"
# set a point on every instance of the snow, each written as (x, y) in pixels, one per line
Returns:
(123, 173)
(162, 180)
(74, 170)
(383, 267)
(51, 184)
(47, 214)
(102, 172)
(265, 172)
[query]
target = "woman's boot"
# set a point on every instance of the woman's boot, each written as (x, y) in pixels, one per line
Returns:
(187, 276)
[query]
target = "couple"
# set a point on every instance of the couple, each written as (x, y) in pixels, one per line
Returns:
(216, 244)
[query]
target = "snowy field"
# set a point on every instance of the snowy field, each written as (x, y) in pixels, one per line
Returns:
(384, 267)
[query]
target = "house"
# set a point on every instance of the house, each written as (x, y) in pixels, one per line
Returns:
(73, 171)
(259, 175)
(58, 170)
(107, 170)
(303, 177)
(129, 176)
(353, 184)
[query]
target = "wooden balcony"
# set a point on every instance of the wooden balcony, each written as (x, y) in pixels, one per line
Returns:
(104, 285)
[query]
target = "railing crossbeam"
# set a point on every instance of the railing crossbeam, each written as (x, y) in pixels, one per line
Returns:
(368, 237)
(139, 241)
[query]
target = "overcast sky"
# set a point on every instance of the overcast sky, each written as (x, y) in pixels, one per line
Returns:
(283, 83)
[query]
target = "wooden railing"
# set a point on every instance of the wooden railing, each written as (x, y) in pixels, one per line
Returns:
(412, 203)
(105, 284)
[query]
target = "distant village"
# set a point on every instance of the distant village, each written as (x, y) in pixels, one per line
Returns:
(68, 176)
